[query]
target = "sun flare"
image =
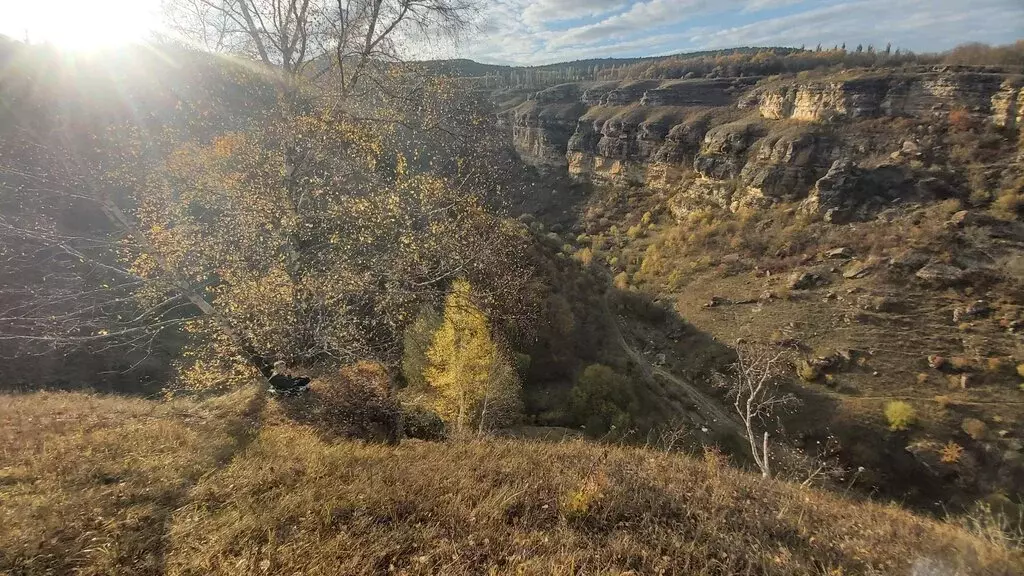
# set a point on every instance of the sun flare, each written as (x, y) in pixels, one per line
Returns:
(81, 25)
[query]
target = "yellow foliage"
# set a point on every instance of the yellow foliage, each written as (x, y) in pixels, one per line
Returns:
(465, 367)
(951, 453)
(585, 256)
(652, 262)
(900, 415)
(622, 281)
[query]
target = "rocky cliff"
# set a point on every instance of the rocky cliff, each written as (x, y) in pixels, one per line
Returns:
(750, 141)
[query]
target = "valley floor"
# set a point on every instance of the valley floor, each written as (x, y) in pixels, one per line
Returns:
(107, 485)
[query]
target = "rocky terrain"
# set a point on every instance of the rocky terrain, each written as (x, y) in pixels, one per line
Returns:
(751, 141)
(867, 219)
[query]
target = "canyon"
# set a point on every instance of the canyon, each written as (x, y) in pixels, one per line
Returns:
(752, 141)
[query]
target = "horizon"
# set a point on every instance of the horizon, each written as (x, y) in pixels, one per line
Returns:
(542, 32)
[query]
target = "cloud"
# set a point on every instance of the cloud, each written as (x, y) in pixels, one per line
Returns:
(545, 31)
(641, 17)
(544, 12)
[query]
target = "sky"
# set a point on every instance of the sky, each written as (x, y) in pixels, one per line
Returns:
(546, 31)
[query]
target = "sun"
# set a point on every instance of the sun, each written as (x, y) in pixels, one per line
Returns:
(81, 24)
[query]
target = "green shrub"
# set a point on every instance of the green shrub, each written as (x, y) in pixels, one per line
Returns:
(601, 399)
(900, 415)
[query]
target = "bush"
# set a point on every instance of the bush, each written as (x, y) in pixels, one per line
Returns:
(900, 415)
(601, 400)
(635, 232)
(354, 403)
(422, 423)
(585, 256)
(622, 281)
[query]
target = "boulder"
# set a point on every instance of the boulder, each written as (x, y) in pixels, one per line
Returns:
(978, 308)
(858, 270)
(805, 280)
(841, 253)
(909, 259)
(940, 274)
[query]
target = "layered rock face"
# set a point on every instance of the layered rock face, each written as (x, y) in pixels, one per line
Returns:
(929, 94)
(737, 142)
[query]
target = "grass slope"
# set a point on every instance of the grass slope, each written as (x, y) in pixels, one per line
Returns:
(104, 485)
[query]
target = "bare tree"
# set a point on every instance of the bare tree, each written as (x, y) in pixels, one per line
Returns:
(753, 383)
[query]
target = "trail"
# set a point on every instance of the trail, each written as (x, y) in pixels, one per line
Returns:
(709, 408)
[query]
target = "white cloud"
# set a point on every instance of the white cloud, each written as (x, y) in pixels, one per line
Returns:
(544, 12)
(534, 31)
(641, 17)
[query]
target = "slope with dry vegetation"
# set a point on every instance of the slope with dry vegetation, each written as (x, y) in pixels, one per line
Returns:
(105, 485)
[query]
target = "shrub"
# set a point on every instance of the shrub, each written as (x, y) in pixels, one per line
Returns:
(418, 337)
(585, 256)
(1009, 204)
(356, 402)
(622, 281)
(601, 399)
(960, 119)
(646, 218)
(422, 423)
(951, 453)
(806, 371)
(1020, 370)
(900, 415)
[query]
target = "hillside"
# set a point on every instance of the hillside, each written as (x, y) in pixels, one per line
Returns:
(108, 485)
(867, 220)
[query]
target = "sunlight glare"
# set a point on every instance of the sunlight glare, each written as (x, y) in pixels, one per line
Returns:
(80, 24)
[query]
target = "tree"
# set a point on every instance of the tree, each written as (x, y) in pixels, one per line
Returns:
(296, 233)
(474, 379)
(753, 384)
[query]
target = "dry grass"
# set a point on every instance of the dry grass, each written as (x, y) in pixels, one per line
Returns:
(88, 483)
(94, 485)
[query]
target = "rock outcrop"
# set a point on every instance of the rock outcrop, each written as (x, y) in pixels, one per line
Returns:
(733, 142)
(922, 94)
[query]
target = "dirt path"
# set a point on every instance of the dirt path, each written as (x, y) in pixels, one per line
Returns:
(717, 417)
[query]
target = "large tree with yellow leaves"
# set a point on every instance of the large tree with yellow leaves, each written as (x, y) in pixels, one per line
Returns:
(473, 377)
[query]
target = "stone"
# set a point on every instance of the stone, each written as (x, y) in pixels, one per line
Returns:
(909, 259)
(940, 274)
(804, 280)
(966, 381)
(958, 315)
(858, 270)
(961, 219)
(879, 303)
(1015, 444)
(716, 301)
(978, 308)
(974, 428)
(841, 253)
